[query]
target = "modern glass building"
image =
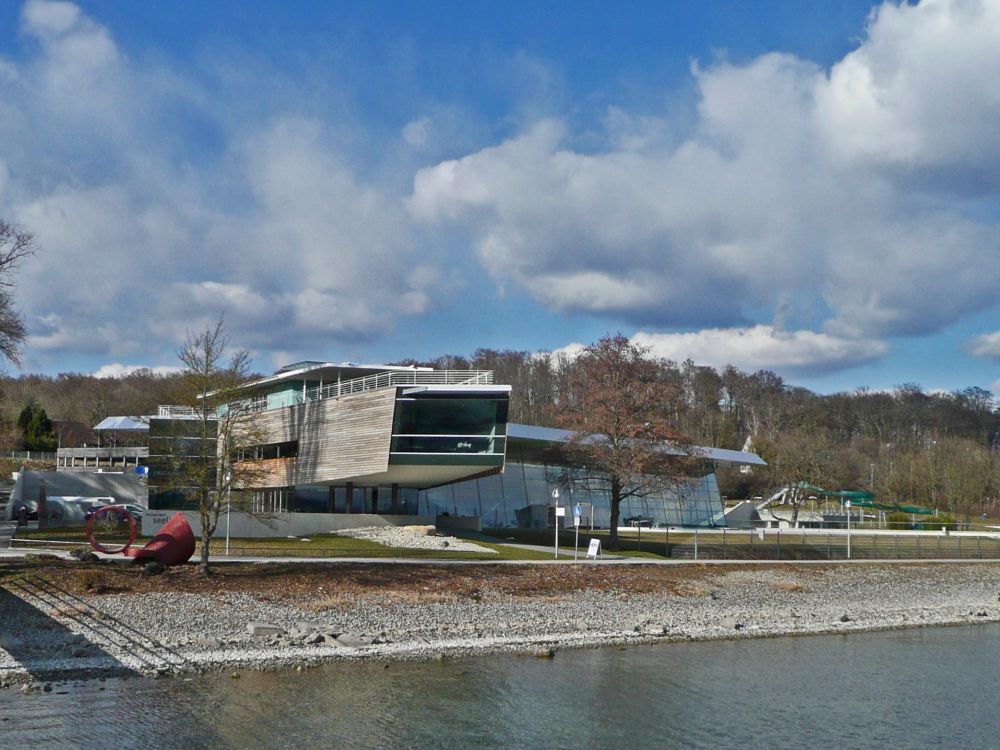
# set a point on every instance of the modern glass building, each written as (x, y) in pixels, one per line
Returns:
(522, 494)
(346, 438)
(408, 441)
(415, 441)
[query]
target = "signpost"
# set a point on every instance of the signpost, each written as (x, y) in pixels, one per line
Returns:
(229, 507)
(560, 513)
(595, 549)
(847, 505)
(577, 512)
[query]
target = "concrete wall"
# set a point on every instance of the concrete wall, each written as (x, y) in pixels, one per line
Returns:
(460, 523)
(247, 526)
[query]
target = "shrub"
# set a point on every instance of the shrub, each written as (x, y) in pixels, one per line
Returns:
(934, 523)
(95, 581)
(899, 520)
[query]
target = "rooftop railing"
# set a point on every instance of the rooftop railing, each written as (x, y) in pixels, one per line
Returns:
(172, 411)
(398, 378)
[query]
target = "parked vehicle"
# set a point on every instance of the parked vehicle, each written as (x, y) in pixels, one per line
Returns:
(133, 510)
(636, 521)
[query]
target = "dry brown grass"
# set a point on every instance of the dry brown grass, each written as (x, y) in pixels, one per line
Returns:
(688, 590)
(324, 586)
(791, 587)
(95, 581)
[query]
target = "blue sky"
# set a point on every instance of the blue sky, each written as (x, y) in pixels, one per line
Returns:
(804, 187)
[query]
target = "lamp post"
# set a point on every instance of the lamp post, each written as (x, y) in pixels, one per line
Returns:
(555, 497)
(229, 506)
(847, 505)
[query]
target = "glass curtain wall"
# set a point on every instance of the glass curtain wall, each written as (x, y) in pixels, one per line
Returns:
(521, 495)
(449, 425)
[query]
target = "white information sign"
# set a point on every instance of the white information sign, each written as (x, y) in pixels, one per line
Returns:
(595, 549)
(560, 511)
(576, 520)
(153, 521)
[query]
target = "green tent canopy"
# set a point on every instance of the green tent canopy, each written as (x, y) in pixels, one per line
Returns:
(866, 500)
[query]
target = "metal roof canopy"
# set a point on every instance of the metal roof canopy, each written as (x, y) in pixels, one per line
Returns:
(122, 423)
(865, 499)
(551, 435)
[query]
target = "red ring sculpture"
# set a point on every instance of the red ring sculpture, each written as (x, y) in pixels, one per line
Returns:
(121, 512)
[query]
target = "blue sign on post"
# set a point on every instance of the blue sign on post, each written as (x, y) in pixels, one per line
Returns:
(577, 510)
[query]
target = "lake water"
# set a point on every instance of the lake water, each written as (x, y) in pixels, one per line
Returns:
(907, 689)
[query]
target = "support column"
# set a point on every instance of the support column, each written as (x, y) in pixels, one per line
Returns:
(330, 507)
(395, 499)
(375, 500)
(350, 496)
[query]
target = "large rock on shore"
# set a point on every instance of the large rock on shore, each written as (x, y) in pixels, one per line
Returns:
(264, 628)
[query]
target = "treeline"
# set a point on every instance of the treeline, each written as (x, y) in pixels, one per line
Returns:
(932, 449)
(78, 398)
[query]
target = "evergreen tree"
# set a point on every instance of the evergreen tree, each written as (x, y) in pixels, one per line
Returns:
(36, 428)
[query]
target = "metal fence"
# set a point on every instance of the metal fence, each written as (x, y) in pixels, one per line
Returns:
(30, 455)
(391, 379)
(794, 544)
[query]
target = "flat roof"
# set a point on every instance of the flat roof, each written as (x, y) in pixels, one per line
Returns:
(330, 372)
(551, 435)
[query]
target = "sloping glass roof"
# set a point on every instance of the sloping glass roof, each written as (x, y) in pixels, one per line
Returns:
(121, 423)
(550, 434)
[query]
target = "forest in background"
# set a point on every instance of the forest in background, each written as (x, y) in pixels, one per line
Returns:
(934, 449)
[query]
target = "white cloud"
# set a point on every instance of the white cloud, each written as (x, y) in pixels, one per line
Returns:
(850, 201)
(762, 347)
(912, 93)
(145, 234)
(986, 345)
(842, 205)
(118, 370)
(417, 132)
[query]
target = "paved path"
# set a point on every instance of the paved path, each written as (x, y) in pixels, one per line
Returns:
(219, 559)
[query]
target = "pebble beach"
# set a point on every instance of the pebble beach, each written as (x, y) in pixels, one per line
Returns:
(48, 636)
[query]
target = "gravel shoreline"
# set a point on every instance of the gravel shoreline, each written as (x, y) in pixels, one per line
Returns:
(45, 638)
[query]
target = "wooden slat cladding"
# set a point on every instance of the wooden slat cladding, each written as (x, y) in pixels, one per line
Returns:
(338, 437)
(271, 472)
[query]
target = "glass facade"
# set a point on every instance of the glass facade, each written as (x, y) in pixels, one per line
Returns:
(521, 495)
(178, 454)
(443, 425)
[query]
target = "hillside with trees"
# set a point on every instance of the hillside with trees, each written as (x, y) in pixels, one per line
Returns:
(935, 449)
(927, 448)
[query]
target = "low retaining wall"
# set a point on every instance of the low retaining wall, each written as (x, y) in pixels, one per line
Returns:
(247, 526)
(460, 523)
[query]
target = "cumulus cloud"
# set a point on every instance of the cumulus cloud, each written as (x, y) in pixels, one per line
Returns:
(849, 200)
(762, 347)
(986, 345)
(118, 370)
(147, 234)
(800, 217)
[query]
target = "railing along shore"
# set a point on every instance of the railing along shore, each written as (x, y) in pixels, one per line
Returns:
(812, 544)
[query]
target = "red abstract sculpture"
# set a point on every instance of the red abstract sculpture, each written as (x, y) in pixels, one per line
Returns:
(124, 515)
(173, 544)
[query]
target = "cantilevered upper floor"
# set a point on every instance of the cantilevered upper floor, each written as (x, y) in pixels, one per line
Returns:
(327, 423)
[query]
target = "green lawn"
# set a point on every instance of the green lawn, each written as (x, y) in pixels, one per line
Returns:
(323, 545)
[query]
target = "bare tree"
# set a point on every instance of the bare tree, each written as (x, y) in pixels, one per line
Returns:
(616, 403)
(222, 429)
(800, 459)
(15, 245)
